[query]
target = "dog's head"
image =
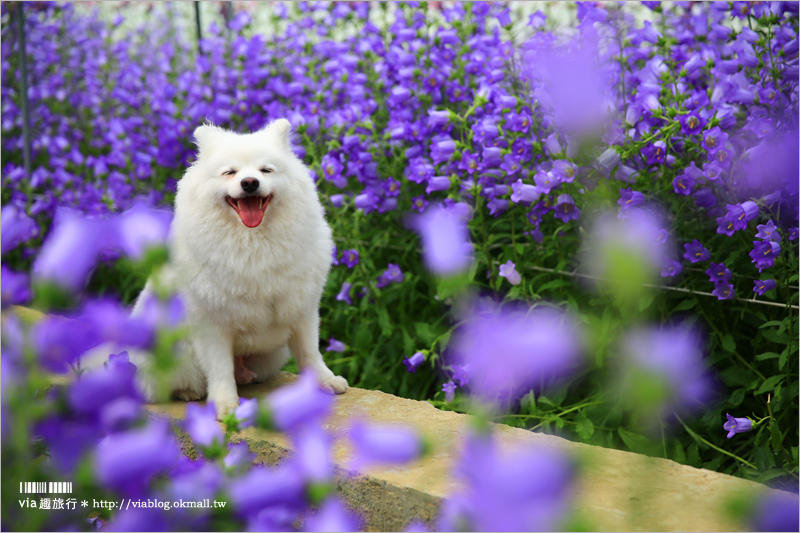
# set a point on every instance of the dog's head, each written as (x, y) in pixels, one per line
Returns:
(245, 175)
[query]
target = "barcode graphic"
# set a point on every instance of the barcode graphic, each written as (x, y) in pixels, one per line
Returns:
(43, 487)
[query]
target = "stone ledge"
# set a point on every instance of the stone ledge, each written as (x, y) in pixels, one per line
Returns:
(617, 490)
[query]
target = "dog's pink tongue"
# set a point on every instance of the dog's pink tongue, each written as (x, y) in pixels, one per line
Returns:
(249, 212)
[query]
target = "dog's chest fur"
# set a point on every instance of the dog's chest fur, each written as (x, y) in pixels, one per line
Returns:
(257, 284)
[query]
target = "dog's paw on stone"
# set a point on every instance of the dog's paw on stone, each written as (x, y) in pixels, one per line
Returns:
(334, 384)
(188, 395)
(224, 407)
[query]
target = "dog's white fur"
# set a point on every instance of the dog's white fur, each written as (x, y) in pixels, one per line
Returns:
(247, 291)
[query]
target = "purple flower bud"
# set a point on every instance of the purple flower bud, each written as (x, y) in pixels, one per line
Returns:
(414, 361)
(438, 183)
(449, 390)
(524, 193)
(337, 200)
(737, 425)
(344, 293)
(509, 271)
(246, 412)
(335, 346)
(762, 286)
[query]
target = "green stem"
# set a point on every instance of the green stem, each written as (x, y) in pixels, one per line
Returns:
(698, 438)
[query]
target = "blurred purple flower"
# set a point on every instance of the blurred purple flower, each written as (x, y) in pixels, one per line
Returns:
(510, 351)
(671, 268)
(335, 346)
(16, 287)
(59, 342)
(414, 361)
(312, 446)
(142, 227)
(776, 511)
(350, 258)
(529, 490)
(246, 412)
(344, 293)
(333, 515)
(127, 461)
(445, 240)
(264, 487)
(71, 249)
(629, 199)
(565, 208)
(449, 390)
(374, 444)
(238, 457)
(17, 226)
(302, 402)
(393, 274)
(201, 424)
(672, 357)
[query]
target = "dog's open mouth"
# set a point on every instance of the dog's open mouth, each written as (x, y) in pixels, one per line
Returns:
(250, 208)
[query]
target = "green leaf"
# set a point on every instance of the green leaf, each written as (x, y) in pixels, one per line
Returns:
(520, 249)
(776, 437)
(728, 343)
(767, 355)
(770, 323)
(384, 321)
(554, 284)
(769, 384)
(424, 332)
(585, 428)
(636, 442)
(784, 357)
(737, 397)
(646, 300)
(685, 305)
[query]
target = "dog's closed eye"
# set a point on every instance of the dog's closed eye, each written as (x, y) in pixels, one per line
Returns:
(229, 172)
(265, 170)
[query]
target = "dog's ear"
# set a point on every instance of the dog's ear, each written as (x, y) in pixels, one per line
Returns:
(281, 132)
(205, 136)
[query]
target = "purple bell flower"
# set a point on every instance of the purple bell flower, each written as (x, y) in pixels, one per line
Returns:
(344, 293)
(737, 425)
(695, 252)
(509, 271)
(350, 258)
(565, 208)
(768, 232)
(449, 390)
(414, 361)
(201, 424)
(445, 240)
(723, 290)
(718, 272)
(393, 274)
(762, 286)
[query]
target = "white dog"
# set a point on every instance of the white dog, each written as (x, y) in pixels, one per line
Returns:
(250, 254)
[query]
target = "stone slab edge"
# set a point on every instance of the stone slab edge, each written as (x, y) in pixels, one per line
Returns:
(616, 491)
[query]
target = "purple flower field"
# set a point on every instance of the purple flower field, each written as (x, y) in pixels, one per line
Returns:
(587, 229)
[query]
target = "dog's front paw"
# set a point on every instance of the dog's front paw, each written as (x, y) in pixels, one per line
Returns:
(225, 406)
(334, 384)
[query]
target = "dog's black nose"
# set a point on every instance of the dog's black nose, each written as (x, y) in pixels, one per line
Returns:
(249, 185)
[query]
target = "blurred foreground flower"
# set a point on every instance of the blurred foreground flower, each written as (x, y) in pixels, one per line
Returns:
(383, 445)
(509, 351)
(665, 372)
(445, 240)
(528, 490)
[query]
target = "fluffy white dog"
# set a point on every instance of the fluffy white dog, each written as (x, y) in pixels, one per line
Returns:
(250, 254)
